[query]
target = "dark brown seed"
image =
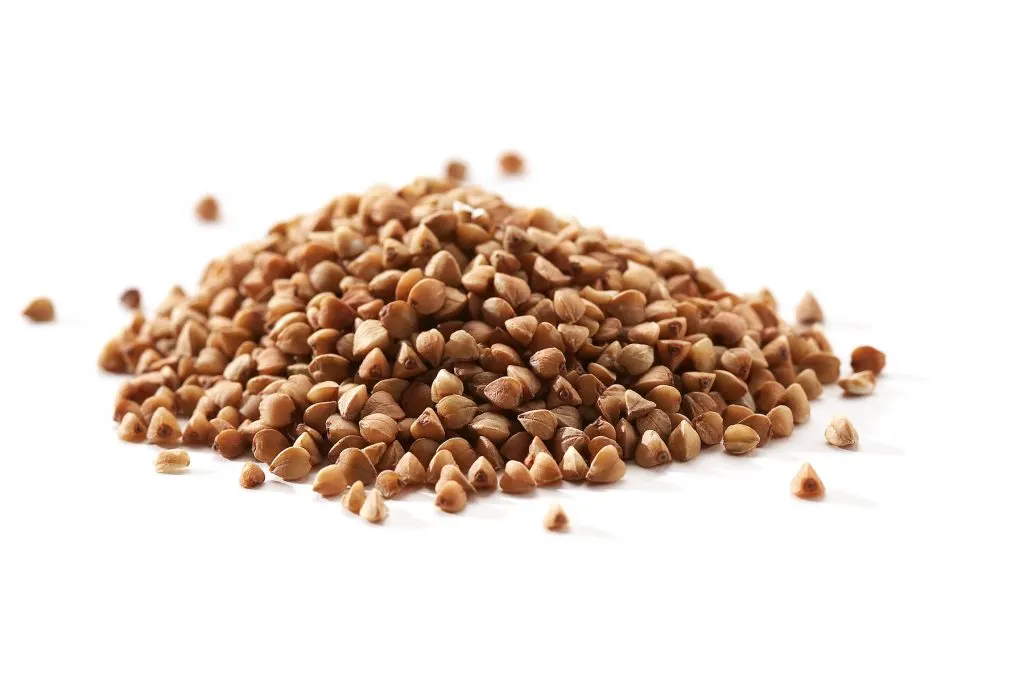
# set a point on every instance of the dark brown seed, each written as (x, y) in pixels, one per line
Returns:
(867, 358)
(131, 299)
(510, 163)
(207, 209)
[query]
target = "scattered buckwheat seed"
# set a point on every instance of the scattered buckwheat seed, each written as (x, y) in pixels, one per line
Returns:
(555, 519)
(840, 433)
(806, 485)
(39, 310)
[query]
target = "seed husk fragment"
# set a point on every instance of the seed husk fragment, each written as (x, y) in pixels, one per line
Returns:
(859, 383)
(740, 439)
(545, 470)
(354, 497)
(840, 432)
(607, 466)
(291, 464)
(410, 470)
(330, 481)
(251, 476)
(516, 479)
(373, 510)
(39, 310)
(867, 358)
(482, 474)
(808, 311)
(171, 462)
(555, 519)
(806, 484)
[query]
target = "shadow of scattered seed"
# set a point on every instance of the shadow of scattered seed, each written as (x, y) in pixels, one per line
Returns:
(872, 447)
(590, 532)
(848, 499)
(275, 486)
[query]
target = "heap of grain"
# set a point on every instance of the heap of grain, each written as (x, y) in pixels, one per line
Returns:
(437, 325)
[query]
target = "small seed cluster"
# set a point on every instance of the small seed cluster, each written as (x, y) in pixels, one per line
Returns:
(436, 335)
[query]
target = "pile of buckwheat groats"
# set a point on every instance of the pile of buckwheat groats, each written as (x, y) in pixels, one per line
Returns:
(436, 335)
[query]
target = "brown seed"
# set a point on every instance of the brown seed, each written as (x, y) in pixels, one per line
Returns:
(171, 462)
(539, 423)
(569, 307)
(709, 427)
(354, 497)
(445, 384)
(389, 484)
(867, 358)
(636, 358)
(762, 426)
(410, 470)
(291, 464)
(207, 209)
(510, 163)
(505, 392)
(251, 476)
(740, 439)
(456, 411)
(373, 510)
(131, 429)
(229, 444)
(734, 414)
(651, 451)
(606, 466)
(378, 428)
(806, 485)
(356, 466)
(131, 299)
(574, 467)
(516, 479)
(545, 469)
(825, 366)
(455, 170)
(267, 444)
(808, 379)
(556, 519)
(859, 383)
(198, 430)
(482, 474)
(840, 432)
(548, 363)
(684, 442)
(781, 418)
(330, 481)
(427, 296)
(451, 497)
(163, 428)
(39, 310)
(808, 311)
(796, 400)
(276, 410)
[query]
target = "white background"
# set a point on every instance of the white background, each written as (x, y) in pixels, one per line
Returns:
(869, 151)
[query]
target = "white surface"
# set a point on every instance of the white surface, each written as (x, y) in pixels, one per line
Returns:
(872, 154)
